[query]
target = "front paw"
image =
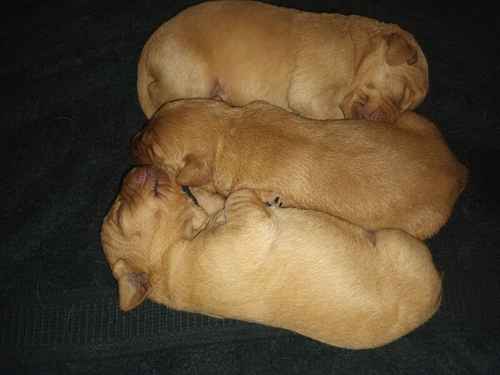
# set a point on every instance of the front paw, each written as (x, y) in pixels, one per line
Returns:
(270, 199)
(244, 203)
(274, 202)
(243, 196)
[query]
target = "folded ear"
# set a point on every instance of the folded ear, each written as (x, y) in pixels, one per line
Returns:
(194, 173)
(211, 202)
(198, 221)
(133, 285)
(145, 148)
(399, 51)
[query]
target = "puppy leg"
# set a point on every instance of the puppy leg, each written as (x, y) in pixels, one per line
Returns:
(270, 198)
(168, 87)
(231, 261)
(172, 70)
(247, 234)
(243, 206)
(210, 202)
(313, 100)
(276, 202)
(414, 274)
(320, 108)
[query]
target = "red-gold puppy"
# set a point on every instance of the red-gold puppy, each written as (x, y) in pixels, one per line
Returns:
(301, 270)
(318, 65)
(373, 174)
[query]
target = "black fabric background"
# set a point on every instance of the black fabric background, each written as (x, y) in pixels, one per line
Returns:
(69, 108)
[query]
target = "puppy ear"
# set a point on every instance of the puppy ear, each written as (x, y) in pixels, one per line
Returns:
(194, 173)
(399, 51)
(133, 286)
(198, 221)
(145, 148)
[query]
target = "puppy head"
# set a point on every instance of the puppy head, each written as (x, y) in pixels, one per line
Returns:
(391, 78)
(150, 214)
(182, 135)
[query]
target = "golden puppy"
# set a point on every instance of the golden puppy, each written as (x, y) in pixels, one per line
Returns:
(301, 270)
(373, 174)
(319, 65)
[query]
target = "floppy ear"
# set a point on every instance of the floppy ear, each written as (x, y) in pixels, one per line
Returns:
(194, 173)
(145, 148)
(133, 286)
(399, 51)
(198, 221)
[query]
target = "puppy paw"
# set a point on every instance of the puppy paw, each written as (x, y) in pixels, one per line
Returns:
(243, 203)
(274, 202)
(270, 199)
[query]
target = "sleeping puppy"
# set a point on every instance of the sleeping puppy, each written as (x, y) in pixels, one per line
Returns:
(301, 270)
(373, 174)
(318, 65)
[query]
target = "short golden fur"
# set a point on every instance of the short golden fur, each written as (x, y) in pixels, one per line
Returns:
(373, 174)
(301, 270)
(319, 65)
